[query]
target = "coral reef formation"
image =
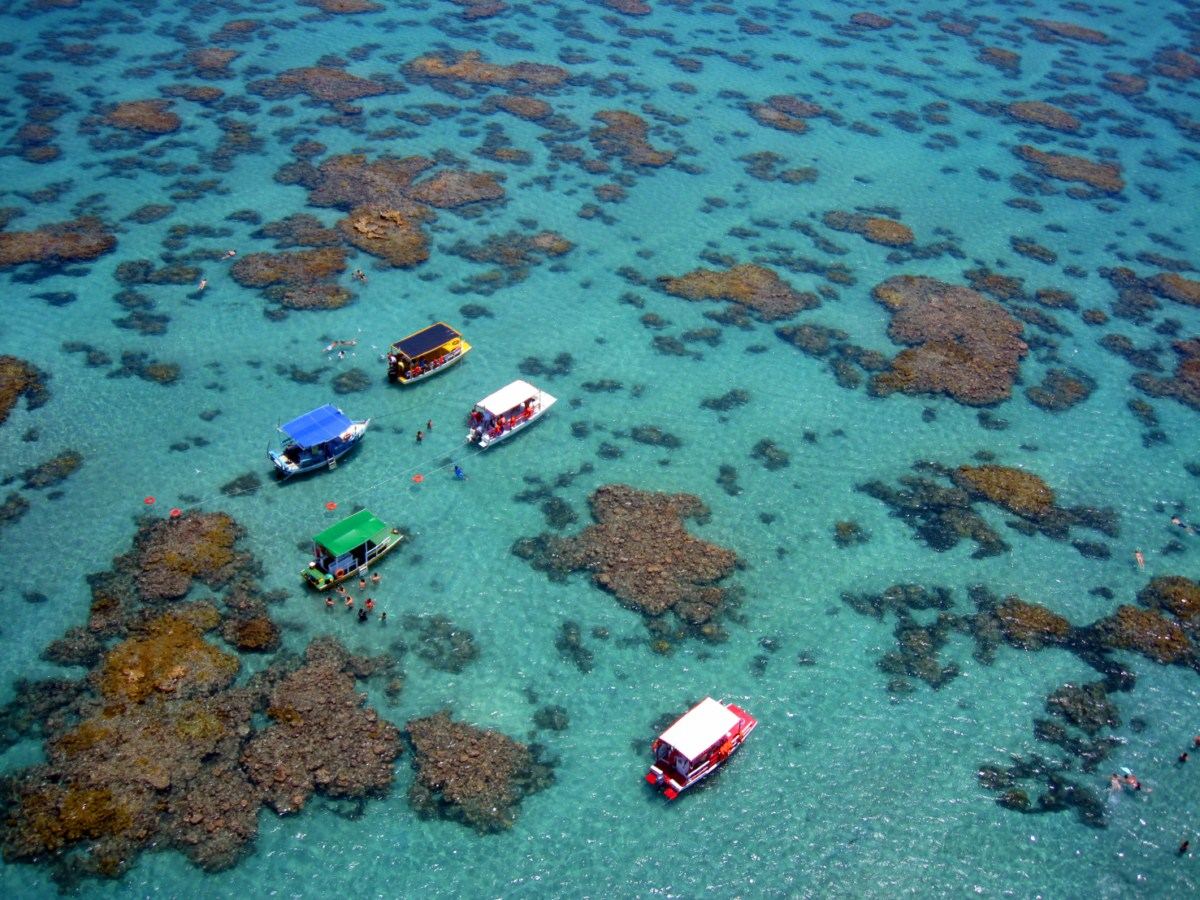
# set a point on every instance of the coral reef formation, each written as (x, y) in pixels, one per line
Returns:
(470, 775)
(78, 240)
(750, 285)
(965, 345)
(639, 551)
(155, 747)
(18, 379)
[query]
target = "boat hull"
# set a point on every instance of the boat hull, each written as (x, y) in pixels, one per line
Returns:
(350, 439)
(452, 357)
(673, 783)
(486, 440)
(323, 581)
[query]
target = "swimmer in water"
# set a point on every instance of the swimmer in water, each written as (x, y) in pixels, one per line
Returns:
(1139, 559)
(203, 284)
(1114, 784)
(229, 254)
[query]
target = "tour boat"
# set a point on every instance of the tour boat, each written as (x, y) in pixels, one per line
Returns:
(697, 744)
(348, 548)
(425, 353)
(507, 411)
(316, 440)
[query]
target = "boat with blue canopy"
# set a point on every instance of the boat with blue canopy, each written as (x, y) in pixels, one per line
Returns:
(425, 352)
(348, 548)
(316, 440)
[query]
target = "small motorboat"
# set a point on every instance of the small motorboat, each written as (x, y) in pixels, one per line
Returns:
(697, 745)
(509, 410)
(425, 352)
(316, 440)
(348, 548)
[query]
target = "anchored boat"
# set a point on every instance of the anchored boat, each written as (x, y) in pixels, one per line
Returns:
(697, 745)
(507, 411)
(425, 352)
(316, 440)
(348, 548)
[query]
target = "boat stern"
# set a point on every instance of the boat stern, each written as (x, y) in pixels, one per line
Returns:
(316, 578)
(284, 467)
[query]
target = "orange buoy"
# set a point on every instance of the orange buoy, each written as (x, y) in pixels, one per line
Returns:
(176, 512)
(331, 506)
(418, 478)
(149, 501)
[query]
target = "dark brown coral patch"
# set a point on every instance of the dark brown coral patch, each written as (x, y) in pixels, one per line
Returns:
(322, 738)
(1104, 177)
(753, 286)
(147, 116)
(169, 553)
(871, 21)
(1061, 390)
(470, 775)
(212, 62)
(1174, 594)
(345, 7)
(470, 68)
(299, 280)
(323, 83)
(965, 345)
(1175, 287)
(529, 108)
(1184, 384)
(786, 113)
(1007, 61)
(18, 379)
(351, 180)
(389, 234)
(1030, 626)
(623, 135)
(1038, 112)
(876, 229)
(1144, 631)
(640, 551)
(1016, 490)
(1050, 31)
(629, 7)
(78, 240)
(1125, 84)
(456, 187)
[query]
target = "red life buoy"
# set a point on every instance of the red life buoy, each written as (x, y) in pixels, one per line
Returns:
(340, 573)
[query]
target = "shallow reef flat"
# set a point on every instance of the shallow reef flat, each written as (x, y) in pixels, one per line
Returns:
(875, 334)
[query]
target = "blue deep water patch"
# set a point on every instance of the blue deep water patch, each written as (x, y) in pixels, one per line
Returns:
(542, 177)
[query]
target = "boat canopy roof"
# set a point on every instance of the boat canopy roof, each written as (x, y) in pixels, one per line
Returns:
(425, 340)
(317, 427)
(507, 397)
(352, 532)
(699, 728)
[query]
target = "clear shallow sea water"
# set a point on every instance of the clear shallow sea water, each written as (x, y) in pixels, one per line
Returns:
(842, 791)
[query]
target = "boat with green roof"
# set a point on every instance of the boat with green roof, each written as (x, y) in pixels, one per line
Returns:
(349, 548)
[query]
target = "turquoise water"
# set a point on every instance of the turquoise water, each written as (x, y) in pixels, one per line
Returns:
(844, 790)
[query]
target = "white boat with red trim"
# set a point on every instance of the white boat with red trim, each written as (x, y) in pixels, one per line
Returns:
(511, 409)
(699, 742)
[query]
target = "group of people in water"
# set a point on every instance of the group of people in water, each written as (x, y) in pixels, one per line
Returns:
(1117, 783)
(229, 254)
(1176, 522)
(367, 608)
